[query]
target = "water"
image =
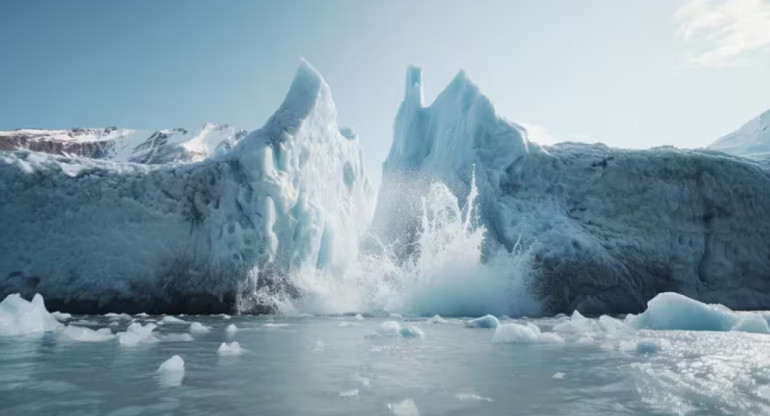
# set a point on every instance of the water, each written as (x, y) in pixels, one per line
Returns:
(333, 365)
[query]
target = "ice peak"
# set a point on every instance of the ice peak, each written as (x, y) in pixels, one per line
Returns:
(413, 93)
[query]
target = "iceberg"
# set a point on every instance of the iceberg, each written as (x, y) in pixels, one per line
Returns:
(752, 140)
(207, 237)
(487, 321)
(601, 230)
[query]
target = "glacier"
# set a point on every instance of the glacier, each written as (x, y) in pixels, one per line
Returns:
(216, 235)
(177, 145)
(752, 140)
(603, 229)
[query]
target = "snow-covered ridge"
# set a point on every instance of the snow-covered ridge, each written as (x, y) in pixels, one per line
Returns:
(126, 145)
(605, 229)
(752, 140)
(97, 236)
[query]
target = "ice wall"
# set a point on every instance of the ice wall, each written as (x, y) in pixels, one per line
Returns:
(97, 236)
(606, 229)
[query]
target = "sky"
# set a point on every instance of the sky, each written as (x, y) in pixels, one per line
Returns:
(631, 74)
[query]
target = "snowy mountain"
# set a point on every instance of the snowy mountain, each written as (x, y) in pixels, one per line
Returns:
(752, 140)
(125, 145)
(603, 230)
(97, 236)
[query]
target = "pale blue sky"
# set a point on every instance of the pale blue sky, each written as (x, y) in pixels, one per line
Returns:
(628, 73)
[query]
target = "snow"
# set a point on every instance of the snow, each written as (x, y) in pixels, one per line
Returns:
(188, 237)
(393, 329)
(670, 310)
(199, 328)
(487, 321)
(524, 334)
(752, 140)
(231, 330)
(230, 349)
(576, 217)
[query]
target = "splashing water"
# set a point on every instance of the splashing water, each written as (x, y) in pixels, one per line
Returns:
(445, 274)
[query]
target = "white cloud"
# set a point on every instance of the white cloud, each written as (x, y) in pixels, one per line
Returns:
(724, 30)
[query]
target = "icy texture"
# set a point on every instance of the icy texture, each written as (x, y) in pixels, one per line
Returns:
(232, 348)
(19, 317)
(95, 236)
(604, 229)
(524, 334)
(675, 311)
(126, 145)
(487, 321)
(752, 140)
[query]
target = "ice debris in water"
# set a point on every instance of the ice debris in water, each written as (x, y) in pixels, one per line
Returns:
(272, 325)
(470, 396)
(142, 315)
(673, 311)
(231, 330)
(199, 328)
(171, 372)
(558, 376)
(487, 321)
(393, 329)
(176, 338)
(359, 317)
(168, 319)
(233, 348)
(61, 316)
(18, 317)
(524, 334)
(137, 333)
(81, 334)
(438, 320)
(404, 408)
(349, 393)
(118, 316)
(648, 346)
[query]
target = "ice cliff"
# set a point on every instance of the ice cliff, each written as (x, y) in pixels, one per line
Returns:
(752, 140)
(606, 229)
(96, 236)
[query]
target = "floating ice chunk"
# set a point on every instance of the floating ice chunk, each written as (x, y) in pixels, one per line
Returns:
(524, 334)
(470, 396)
(168, 319)
(393, 329)
(113, 324)
(225, 316)
(359, 317)
(487, 321)
(273, 325)
(674, 311)
(118, 316)
(142, 315)
(61, 316)
(438, 320)
(231, 330)
(198, 328)
(19, 317)
(349, 393)
(171, 372)
(82, 334)
(136, 333)
(176, 338)
(751, 322)
(233, 348)
(404, 408)
(558, 376)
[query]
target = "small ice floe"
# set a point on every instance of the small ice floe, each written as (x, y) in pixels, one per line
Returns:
(168, 319)
(231, 349)
(558, 376)
(84, 322)
(524, 334)
(392, 329)
(359, 317)
(404, 408)
(674, 311)
(176, 338)
(274, 325)
(82, 334)
(61, 316)
(137, 333)
(199, 328)
(487, 321)
(349, 393)
(463, 397)
(141, 315)
(118, 316)
(231, 330)
(171, 372)
(438, 320)
(224, 316)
